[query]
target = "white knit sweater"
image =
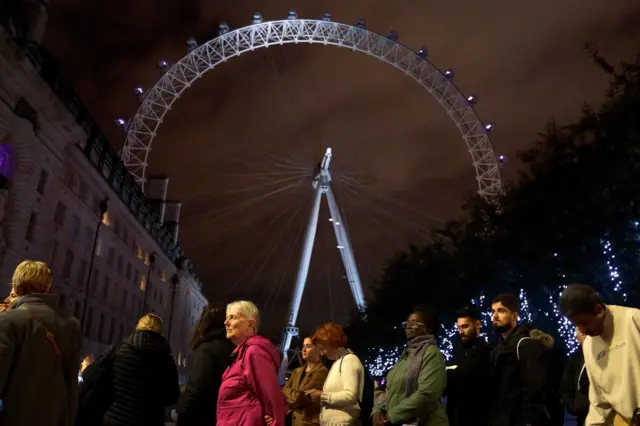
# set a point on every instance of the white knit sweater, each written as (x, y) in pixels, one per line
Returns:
(342, 391)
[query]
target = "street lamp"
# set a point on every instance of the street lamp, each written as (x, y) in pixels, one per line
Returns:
(103, 207)
(147, 286)
(175, 280)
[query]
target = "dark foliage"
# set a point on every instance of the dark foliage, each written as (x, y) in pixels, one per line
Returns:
(581, 185)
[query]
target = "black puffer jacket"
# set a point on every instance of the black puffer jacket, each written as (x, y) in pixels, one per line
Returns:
(145, 381)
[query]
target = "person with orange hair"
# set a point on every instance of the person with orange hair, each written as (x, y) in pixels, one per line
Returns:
(39, 352)
(341, 395)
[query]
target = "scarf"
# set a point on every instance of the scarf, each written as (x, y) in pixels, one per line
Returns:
(420, 344)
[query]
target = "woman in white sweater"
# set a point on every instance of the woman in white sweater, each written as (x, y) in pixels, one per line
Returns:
(342, 392)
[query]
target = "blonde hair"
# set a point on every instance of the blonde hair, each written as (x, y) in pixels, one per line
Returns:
(248, 308)
(31, 277)
(150, 322)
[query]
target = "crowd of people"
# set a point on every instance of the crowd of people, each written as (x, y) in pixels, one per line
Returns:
(522, 380)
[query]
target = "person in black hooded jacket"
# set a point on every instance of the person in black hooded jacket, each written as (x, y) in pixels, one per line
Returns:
(145, 377)
(521, 390)
(575, 384)
(211, 356)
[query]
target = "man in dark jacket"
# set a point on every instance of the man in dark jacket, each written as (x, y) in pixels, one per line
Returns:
(211, 356)
(575, 384)
(145, 377)
(468, 375)
(520, 394)
(39, 353)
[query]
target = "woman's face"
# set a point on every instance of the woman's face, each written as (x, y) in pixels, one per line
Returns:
(310, 353)
(326, 350)
(238, 326)
(414, 326)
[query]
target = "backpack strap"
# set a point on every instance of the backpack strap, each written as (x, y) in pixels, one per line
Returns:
(518, 346)
(340, 373)
(48, 334)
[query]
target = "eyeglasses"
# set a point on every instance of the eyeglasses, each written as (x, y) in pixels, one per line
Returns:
(412, 324)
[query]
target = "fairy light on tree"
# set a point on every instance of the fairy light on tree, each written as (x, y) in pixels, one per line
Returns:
(612, 268)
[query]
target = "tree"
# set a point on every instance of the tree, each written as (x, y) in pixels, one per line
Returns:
(571, 215)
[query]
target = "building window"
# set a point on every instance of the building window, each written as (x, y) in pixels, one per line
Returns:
(105, 219)
(143, 283)
(125, 236)
(124, 298)
(59, 214)
(31, 226)
(119, 265)
(68, 263)
(146, 259)
(100, 327)
(135, 277)
(128, 273)
(121, 335)
(105, 288)
(94, 282)
(82, 191)
(160, 301)
(140, 253)
(54, 251)
(99, 247)
(163, 277)
(76, 309)
(112, 329)
(111, 254)
(42, 182)
(75, 227)
(62, 301)
(87, 324)
(82, 273)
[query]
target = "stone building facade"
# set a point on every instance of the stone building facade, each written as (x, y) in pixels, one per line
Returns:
(56, 172)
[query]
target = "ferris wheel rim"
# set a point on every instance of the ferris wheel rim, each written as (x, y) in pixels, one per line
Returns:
(158, 100)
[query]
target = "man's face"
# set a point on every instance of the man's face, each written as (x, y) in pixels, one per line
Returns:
(592, 323)
(579, 337)
(502, 319)
(468, 329)
(309, 352)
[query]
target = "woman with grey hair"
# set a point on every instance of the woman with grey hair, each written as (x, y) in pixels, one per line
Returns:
(249, 389)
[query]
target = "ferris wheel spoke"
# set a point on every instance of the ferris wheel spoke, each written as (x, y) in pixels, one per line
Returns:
(376, 207)
(261, 186)
(371, 192)
(225, 211)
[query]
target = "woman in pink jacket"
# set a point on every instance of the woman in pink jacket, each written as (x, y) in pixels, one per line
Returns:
(249, 392)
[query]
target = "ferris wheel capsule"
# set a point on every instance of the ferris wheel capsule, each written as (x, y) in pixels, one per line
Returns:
(192, 44)
(449, 73)
(472, 99)
(163, 66)
(393, 35)
(120, 123)
(326, 17)
(257, 18)
(223, 28)
(423, 52)
(361, 24)
(138, 92)
(292, 14)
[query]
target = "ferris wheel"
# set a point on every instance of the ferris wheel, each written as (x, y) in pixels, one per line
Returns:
(156, 102)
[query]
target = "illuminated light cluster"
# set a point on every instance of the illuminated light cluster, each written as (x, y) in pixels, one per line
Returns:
(612, 266)
(566, 330)
(382, 360)
(525, 311)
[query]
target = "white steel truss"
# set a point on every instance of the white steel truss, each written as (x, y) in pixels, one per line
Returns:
(322, 186)
(155, 103)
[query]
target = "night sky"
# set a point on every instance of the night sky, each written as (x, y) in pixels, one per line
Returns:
(259, 123)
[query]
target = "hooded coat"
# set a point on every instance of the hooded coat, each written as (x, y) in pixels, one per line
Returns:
(145, 381)
(520, 378)
(467, 398)
(36, 386)
(197, 405)
(250, 389)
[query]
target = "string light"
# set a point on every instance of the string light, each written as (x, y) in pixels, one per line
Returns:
(382, 360)
(612, 266)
